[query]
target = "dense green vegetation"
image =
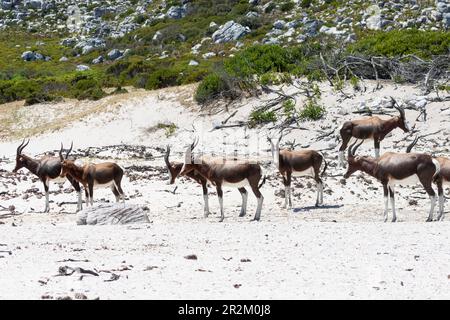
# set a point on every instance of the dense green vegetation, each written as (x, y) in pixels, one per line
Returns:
(403, 42)
(221, 76)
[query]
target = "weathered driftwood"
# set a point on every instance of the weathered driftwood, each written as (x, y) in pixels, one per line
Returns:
(117, 213)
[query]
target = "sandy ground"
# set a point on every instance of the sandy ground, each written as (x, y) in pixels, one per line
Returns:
(340, 250)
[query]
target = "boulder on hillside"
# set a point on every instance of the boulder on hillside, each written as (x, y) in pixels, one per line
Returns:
(230, 31)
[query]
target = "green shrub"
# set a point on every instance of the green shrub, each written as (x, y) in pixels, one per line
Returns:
(424, 44)
(312, 111)
(169, 128)
(287, 6)
(289, 108)
(120, 90)
(95, 93)
(210, 88)
(354, 81)
(261, 59)
(270, 7)
(40, 98)
(162, 78)
(306, 3)
(260, 116)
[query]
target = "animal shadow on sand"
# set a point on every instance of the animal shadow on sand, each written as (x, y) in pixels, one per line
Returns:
(308, 208)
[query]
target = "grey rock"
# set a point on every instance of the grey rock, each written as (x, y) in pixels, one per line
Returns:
(253, 2)
(7, 5)
(252, 15)
(374, 22)
(279, 24)
(33, 4)
(101, 11)
(63, 59)
(230, 31)
(176, 12)
(208, 55)
(271, 40)
(98, 60)
(193, 63)
(111, 214)
(33, 56)
(82, 67)
(311, 27)
(157, 36)
(446, 20)
(442, 7)
(293, 24)
(114, 54)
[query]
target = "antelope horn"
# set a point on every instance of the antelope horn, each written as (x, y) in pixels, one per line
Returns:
(68, 152)
(166, 156)
(409, 148)
(356, 147)
(188, 154)
(23, 146)
(398, 107)
(195, 143)
(349, 151)
(60, 153)
(20, 146)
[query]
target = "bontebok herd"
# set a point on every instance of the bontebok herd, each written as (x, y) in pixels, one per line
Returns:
(391, 169)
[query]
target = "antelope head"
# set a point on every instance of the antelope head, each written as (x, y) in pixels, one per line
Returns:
(20, 160)
(402, 122)
(275, 149)
(354, 163)
(65, 163)
(188, 164)
(173, 169)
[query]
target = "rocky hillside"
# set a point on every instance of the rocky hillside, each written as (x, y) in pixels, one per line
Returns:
(154, 44)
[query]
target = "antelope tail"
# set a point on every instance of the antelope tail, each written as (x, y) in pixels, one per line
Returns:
(438, 169)
(325, 164)
(263, 181)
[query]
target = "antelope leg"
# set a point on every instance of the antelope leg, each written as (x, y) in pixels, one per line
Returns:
(220, 195)
(244, 202)
(433, 204)
(391, 192)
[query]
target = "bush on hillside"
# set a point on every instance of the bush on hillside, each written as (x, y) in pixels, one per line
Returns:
(396, 43)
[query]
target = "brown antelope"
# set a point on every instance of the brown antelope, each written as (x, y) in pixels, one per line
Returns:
(47, 169)
(107, 174)
(227, 173)
(372, 128)
(298, 163)
(174, 169)
(397, 169)
(442, 179)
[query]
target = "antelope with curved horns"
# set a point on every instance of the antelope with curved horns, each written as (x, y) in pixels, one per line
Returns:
(442, 179)
(47, 169)
(372, 128)
(298, 163)
(397, 169)
(106, 174)
(227, 173)
(174, 169)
